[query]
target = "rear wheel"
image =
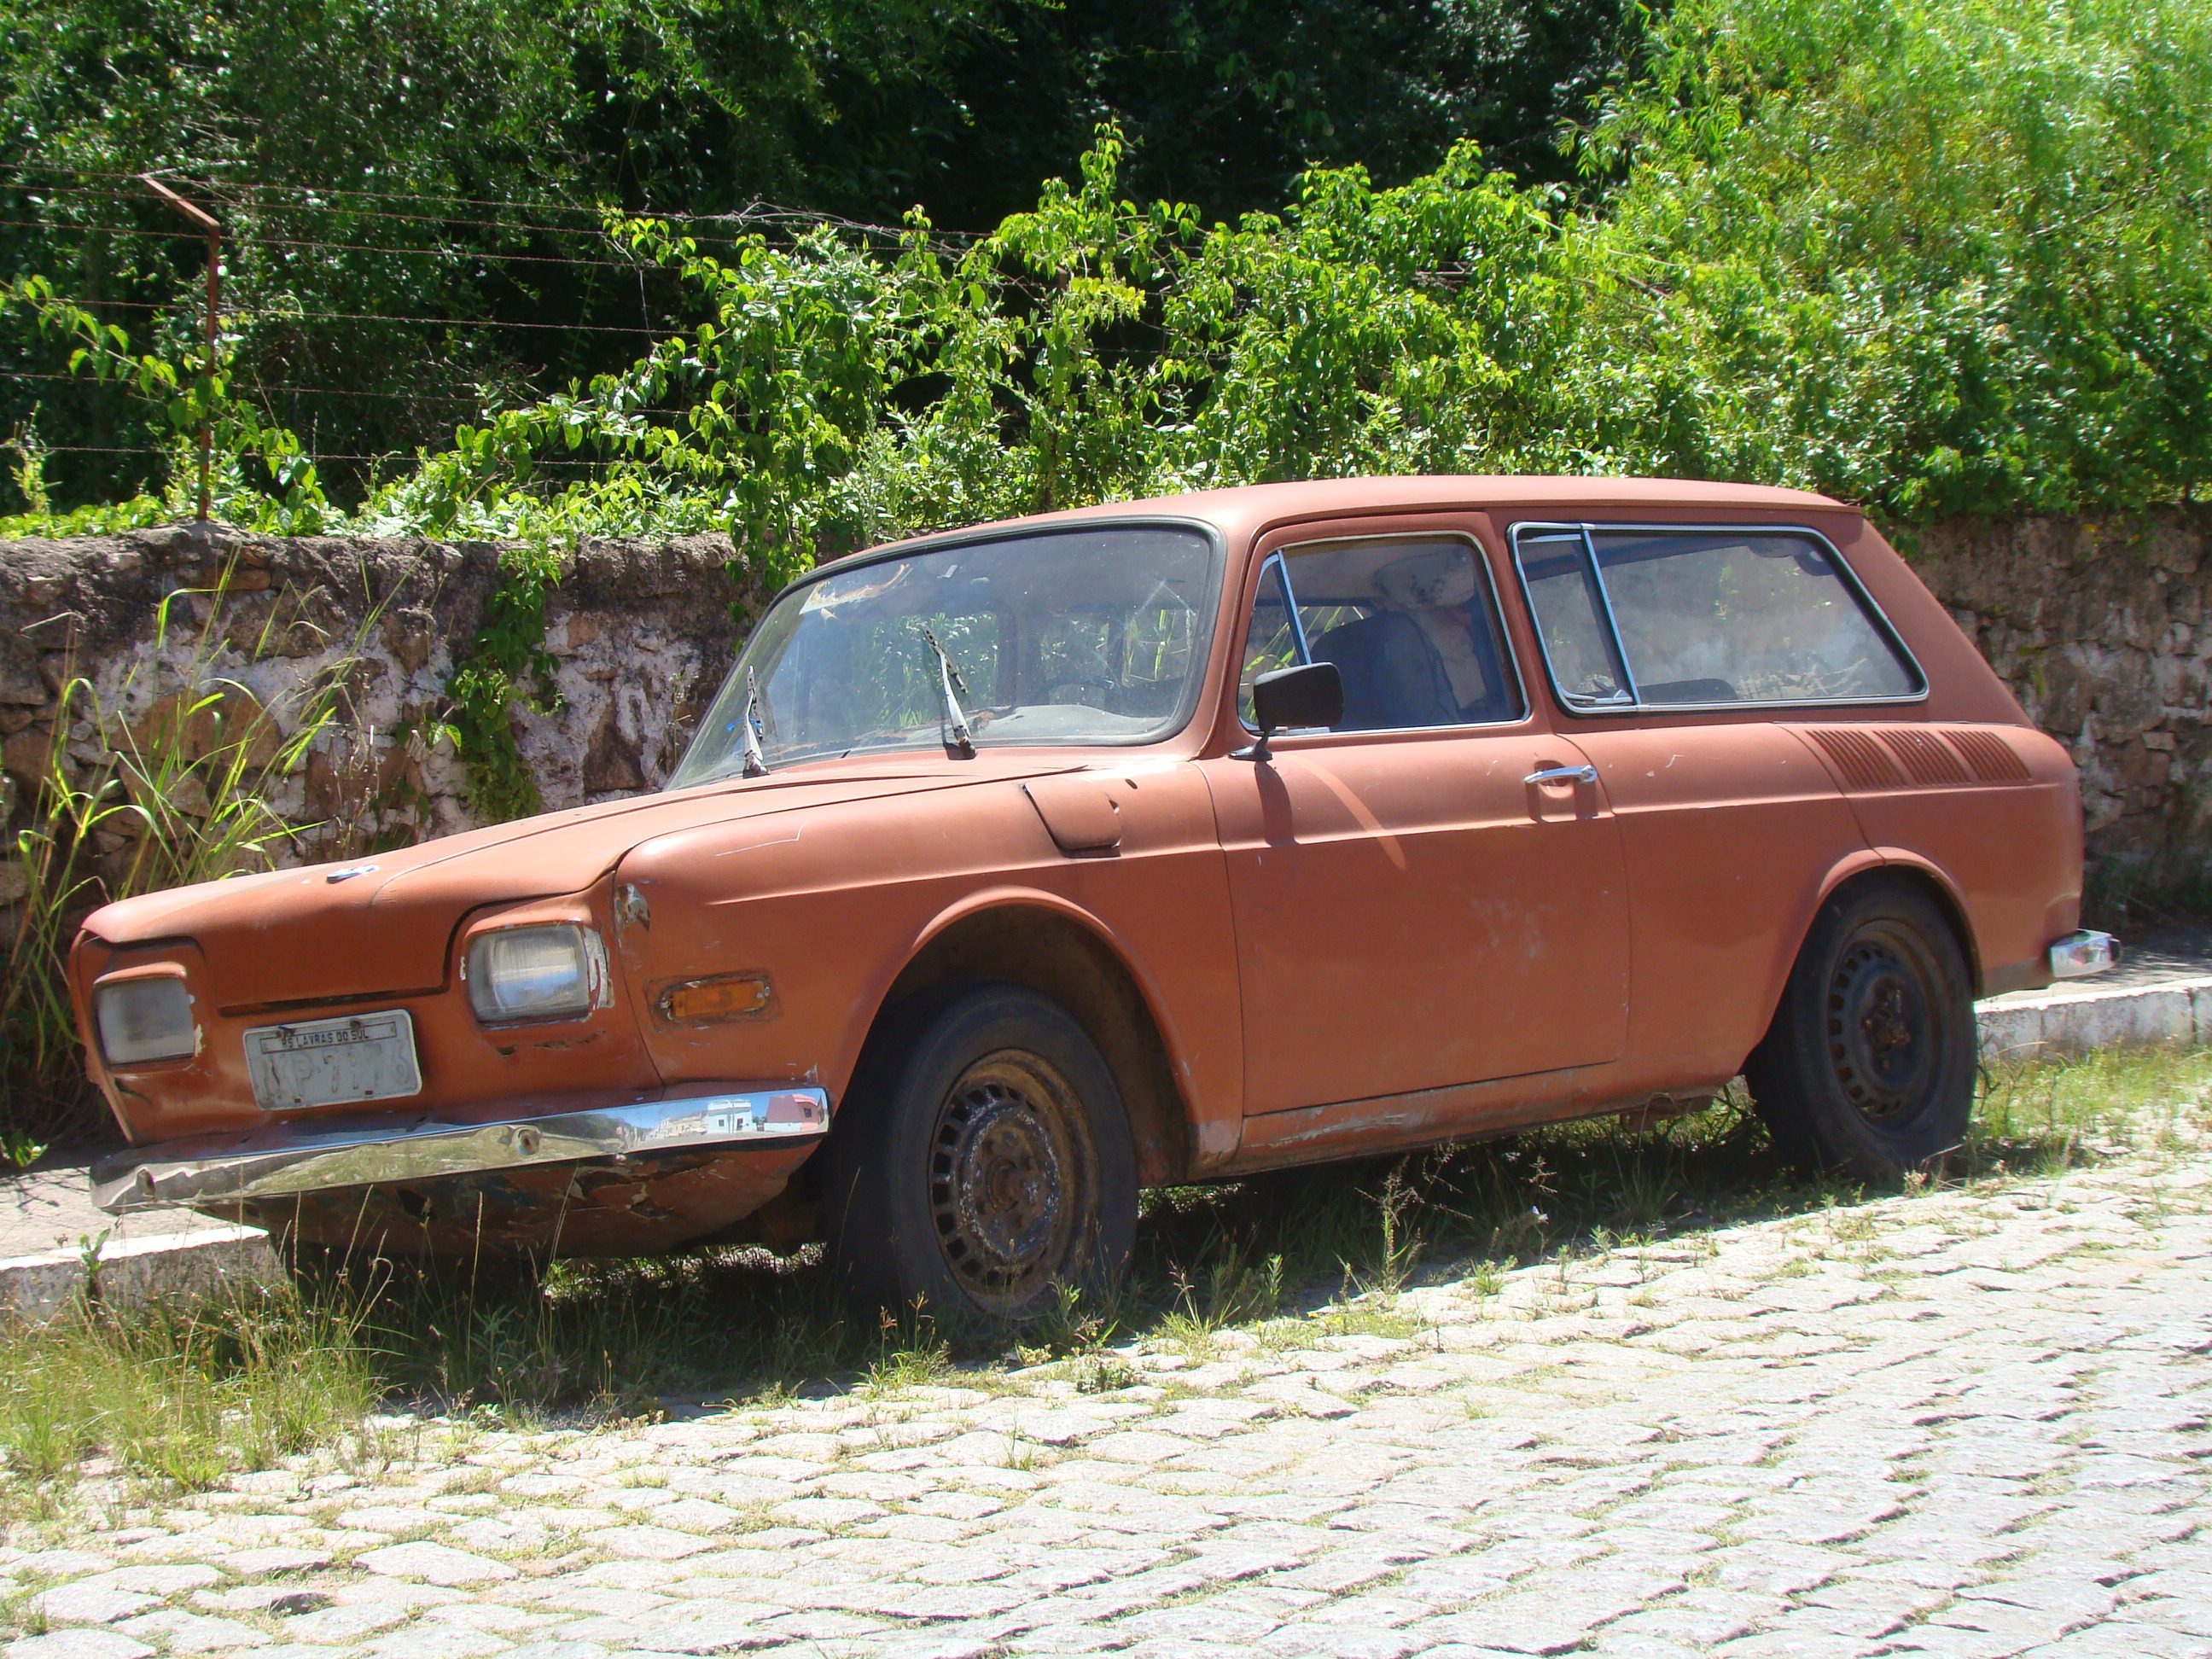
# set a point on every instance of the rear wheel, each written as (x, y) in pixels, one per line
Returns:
(1868, 1067)
(981, 1160)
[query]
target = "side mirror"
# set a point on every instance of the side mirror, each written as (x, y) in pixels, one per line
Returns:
(1310, 695)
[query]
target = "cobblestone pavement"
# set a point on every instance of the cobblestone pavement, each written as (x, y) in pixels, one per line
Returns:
(1963, 1424)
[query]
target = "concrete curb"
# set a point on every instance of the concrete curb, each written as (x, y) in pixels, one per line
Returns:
(2174, 1014)
(212, 1263)
(204, 1265)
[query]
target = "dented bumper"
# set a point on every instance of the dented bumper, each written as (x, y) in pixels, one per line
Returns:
(637, 1174)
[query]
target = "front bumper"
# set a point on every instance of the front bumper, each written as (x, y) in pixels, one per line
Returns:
(287, 1160)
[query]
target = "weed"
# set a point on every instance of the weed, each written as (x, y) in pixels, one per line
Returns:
(1075, 1324)
(506, 667)
(1101, 1373)
(20, 1610)
(1229, 1289)
(755, 1514)
(190, 760)
(1373, 1315)
(2046, 1118)
(909, 1354)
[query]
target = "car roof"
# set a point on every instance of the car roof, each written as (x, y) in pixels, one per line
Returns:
(1240, 513)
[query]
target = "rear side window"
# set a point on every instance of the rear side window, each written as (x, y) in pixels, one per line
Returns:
(1688, 618)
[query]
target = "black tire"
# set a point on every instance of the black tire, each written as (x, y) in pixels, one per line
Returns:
(981, 1161)
(1868, 1067)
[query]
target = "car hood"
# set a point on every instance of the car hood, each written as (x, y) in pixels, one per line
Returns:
(380, 925)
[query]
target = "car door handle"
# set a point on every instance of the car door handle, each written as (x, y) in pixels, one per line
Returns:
(1563, 774)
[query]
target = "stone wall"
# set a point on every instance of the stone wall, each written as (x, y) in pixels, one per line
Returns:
(641, 633)
(2103, 628)
(2099, 626)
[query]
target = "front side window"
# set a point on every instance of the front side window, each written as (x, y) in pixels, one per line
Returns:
(1410, 625)
(1687, 618)
(1061, 638)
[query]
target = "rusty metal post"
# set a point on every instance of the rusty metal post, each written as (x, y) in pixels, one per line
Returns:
(207, 222)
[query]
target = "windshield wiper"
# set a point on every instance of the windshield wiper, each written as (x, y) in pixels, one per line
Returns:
(949, 677)
(755, 761)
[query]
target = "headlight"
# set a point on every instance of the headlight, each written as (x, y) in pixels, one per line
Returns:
(557, 971)
(143, 1020)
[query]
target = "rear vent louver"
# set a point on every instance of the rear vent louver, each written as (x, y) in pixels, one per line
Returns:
(1913, 756)
(1989, 756)
(1926, 758)
(1862, 761)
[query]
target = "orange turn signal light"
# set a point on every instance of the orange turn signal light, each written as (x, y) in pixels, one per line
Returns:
(720, 996)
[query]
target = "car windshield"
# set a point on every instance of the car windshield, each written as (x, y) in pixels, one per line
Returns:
(1065, 637)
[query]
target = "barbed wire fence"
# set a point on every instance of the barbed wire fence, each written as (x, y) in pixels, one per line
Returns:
(302, 365)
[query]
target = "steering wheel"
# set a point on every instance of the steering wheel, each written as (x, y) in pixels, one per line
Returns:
(1107, 688)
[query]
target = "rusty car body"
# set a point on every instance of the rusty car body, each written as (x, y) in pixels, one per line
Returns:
(1017, 868)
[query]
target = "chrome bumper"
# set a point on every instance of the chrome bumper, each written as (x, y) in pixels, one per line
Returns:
(284, 1159)
(2080, 954)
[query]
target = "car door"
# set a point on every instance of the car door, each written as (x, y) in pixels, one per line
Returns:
(1678, 650)
(1432, 893)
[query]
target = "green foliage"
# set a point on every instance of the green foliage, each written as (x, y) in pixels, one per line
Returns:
(507, 666)
(352, 146)
(1090, 348)
(1934, 258)
(1941, 256)
(179, 394)
(360, 152)
(1227, 102)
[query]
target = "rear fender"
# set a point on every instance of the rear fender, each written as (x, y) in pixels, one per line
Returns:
(1864, 861)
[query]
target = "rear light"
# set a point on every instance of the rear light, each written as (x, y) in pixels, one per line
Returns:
(143, 1021)
(2079, 955)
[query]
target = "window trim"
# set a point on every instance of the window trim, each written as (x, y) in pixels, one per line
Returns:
(1274, 563)
(1587, 529)
(1276, 559)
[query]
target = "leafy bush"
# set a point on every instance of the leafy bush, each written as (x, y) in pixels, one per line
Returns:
(452, 152)
(1934, 258)
(1940, 256)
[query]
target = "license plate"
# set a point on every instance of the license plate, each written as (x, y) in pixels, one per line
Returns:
(323, 1062)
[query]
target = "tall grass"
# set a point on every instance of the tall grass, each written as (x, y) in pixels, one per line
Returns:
(620, 1336)
(168, 778)
(183, 1398)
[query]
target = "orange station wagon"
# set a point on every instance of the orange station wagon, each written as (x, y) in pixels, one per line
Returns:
(1016, 869)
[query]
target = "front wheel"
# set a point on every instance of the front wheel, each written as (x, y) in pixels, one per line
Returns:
(982, 1160)
(1868, 1067)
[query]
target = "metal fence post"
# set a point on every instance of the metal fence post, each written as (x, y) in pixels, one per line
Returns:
(207, 222)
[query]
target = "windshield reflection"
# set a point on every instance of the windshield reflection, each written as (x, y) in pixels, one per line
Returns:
(1062, 638)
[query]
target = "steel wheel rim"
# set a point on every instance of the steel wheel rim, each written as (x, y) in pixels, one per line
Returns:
(1008, 1178)
(1885, 1023)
